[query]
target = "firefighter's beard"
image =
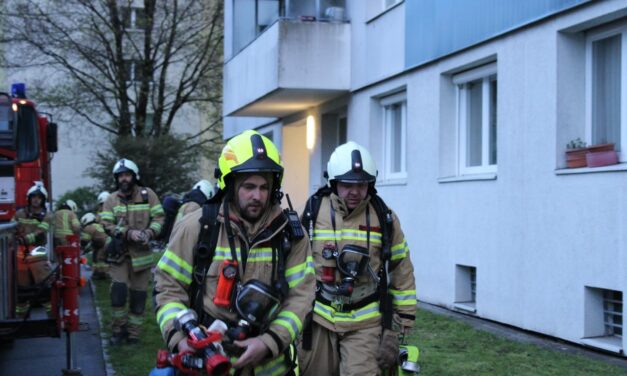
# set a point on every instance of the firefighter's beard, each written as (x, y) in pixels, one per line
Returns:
(126, 186)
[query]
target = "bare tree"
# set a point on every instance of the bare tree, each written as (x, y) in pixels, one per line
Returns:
(128, 66)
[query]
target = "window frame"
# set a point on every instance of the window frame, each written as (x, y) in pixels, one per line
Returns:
(276, 131)
(590, 39)
(486, 73)
(132, 18)
(385, 102)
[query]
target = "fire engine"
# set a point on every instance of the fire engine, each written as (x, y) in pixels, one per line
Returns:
(27, 141)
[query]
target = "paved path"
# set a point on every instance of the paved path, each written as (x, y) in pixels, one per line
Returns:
(46, 356)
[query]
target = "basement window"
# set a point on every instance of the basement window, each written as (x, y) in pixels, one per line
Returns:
(603, 324)
(466, 288)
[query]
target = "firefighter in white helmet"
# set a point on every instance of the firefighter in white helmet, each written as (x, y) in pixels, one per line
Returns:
(33, 224)
(132, 216)
(94, 239)
(102, 197)
(99, 259)
(65, 222)
(193, 200)
(365, 296)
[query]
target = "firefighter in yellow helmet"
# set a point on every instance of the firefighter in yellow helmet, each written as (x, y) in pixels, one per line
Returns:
(259, 280)
(366, 294)
(132, 216)
(33, 267)
(65, 222)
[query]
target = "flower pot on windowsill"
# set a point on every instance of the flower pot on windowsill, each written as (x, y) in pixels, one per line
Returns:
(576, 158)
(602, 158)
(600, 148)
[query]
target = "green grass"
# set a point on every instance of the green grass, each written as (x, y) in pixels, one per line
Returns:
(450, 347)
(447, 347)
(130, 360)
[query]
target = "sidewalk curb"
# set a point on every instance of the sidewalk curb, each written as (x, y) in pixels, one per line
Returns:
(109, 371)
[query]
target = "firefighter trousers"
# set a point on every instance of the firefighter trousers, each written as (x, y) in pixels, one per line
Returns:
(346, 354)
(125, 282)
(31, 271)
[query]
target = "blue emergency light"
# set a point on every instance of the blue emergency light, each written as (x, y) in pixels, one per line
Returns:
(18, 90)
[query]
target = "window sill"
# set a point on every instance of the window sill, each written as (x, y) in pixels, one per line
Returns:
(474, 177)
(589, 170)
(391, 182)
(469, 307)
(607, 343)
(384, 11)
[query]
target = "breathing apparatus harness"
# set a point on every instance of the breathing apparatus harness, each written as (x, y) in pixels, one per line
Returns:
(255, 302)
(384, 215)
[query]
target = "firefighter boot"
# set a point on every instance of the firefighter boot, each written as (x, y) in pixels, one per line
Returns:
(21, 310)
(136, 318)
(119, 319)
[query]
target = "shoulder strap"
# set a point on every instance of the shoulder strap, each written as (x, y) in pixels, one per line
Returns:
(384, 214)
(144, 193)
(312, 207)
(203, 255)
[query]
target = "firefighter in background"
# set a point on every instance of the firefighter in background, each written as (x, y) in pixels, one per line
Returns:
(99, 257)
(257, 264)
(194, 199)
(132, 216)
(33, 224)
(102, 197)
(65, 222)
(349, 334)
(95, 239)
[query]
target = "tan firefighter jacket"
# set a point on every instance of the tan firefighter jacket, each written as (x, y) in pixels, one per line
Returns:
(141, 210)
(65, 223)
(351, 228)
(33, 228)
(95, 233)
(185, 209)
(174, 275)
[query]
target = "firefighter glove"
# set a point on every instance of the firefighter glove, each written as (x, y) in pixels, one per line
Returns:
(388, 349)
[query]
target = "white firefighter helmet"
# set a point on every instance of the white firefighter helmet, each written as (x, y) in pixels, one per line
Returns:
(72, 205)
(351, 163)
(37, 188)
(205, 187)
(126, 165)
(88, 218)
(102, 197)
(39, 251)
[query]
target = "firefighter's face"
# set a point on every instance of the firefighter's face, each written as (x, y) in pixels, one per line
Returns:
(352, 193)
(36, 201)
(125, 180)
(253, 197)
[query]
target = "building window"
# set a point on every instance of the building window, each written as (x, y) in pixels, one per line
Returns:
(606, 86)
(133, 70)
(395, 136)
(477, 119)
(251, 18)
(133, 18)
(613, 313)
(341, 129)
(466, 288)
(603, 320)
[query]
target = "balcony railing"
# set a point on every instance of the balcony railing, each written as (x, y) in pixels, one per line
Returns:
(251, 18)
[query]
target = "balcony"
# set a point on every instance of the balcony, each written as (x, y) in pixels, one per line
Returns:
(291, 64)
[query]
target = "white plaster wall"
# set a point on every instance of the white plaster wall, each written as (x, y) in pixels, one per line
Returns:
(378, 43)
(535, 237)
